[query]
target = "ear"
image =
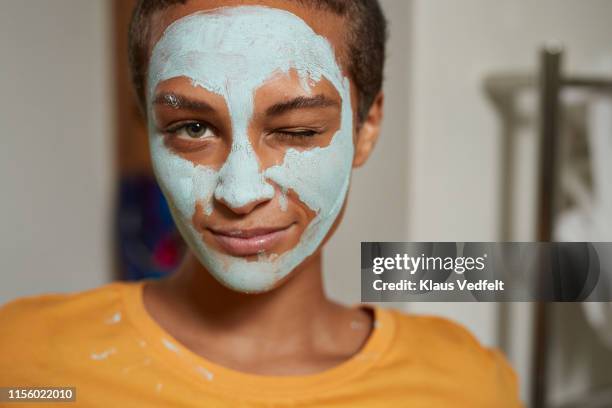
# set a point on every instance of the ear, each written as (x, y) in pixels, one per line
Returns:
(368, 132)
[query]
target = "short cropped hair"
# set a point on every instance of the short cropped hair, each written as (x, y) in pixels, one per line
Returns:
(365, 39)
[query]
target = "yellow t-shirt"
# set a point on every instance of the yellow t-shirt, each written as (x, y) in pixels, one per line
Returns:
(104, 343)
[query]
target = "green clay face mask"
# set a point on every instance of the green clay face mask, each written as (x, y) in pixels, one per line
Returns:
(232, 52)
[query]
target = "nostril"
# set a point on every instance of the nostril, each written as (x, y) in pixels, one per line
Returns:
(242, 197)
(242, 210)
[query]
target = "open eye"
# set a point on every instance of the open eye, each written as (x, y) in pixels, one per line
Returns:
(192, 130)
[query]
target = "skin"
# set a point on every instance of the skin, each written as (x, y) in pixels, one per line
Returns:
(293, 329)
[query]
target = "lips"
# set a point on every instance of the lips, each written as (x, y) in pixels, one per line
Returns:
(245, 242)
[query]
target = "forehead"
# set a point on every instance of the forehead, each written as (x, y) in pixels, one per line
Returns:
(321, 22)
(242, 46)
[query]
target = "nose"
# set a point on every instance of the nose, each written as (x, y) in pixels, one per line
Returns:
(242, 186)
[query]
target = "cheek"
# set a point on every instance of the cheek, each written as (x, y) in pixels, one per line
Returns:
(302, 213)
(318, 176)
(183, 183)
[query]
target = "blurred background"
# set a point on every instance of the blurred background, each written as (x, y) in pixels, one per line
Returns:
(459, 160)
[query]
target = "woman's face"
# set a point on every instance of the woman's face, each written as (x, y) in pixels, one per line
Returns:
(251, 135)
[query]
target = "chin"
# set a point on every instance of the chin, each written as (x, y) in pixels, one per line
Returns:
(251, 276)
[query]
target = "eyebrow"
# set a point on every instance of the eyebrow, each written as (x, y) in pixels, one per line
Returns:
(177, 101)
(301, 102)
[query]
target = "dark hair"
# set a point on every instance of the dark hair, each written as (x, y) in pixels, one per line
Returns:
(366, 35)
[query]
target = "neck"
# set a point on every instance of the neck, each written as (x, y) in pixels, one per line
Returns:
(287, 311)
(294, 322)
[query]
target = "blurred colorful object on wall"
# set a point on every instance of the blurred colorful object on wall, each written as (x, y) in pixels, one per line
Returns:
(148, 244)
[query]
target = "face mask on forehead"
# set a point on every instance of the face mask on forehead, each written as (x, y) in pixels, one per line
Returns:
(232, 52)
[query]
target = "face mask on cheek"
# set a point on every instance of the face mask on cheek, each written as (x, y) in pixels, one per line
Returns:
(232, 52)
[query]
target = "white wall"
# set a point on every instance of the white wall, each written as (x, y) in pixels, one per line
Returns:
(55, 147)
(377, 202)
(454, 149)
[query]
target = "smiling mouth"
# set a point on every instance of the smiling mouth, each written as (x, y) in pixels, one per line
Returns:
(246, 242)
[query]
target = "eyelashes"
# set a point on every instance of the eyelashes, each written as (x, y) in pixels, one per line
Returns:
(299, 134)
(194, 130)
(198, 130)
